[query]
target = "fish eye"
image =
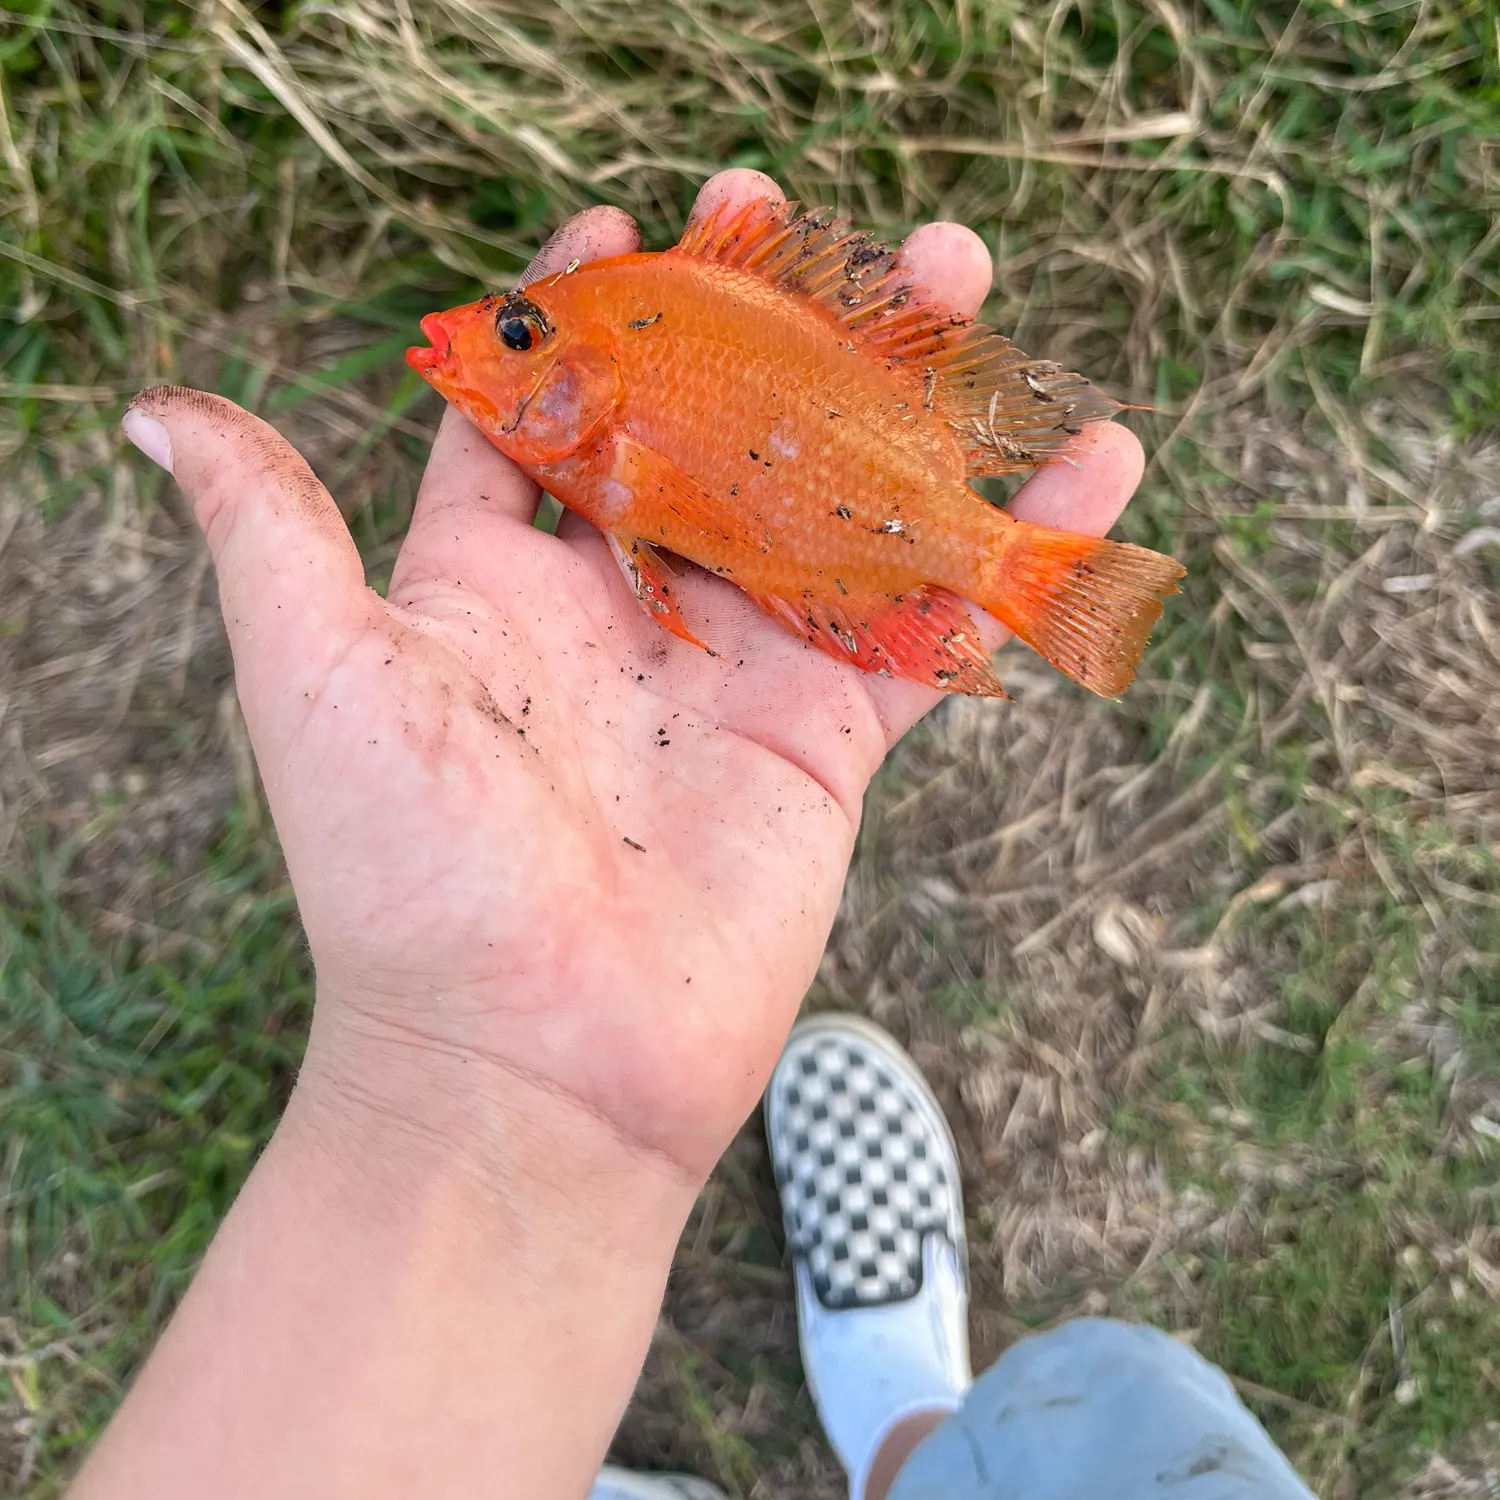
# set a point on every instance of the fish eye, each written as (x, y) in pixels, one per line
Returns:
(515, 334)
(520, 324)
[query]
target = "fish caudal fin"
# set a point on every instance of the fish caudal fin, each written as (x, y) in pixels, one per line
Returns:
(1085, 605)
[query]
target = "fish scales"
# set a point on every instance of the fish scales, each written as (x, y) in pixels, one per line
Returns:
(769, 400)
(763, 436)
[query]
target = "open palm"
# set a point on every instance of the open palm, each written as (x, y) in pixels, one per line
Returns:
(538, 843)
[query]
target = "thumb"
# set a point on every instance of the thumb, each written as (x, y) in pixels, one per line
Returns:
(291, 584)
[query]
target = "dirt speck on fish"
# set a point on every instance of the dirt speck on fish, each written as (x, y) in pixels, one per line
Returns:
(607, 384)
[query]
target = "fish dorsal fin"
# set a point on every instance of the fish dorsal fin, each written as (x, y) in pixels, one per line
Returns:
(1011, 412)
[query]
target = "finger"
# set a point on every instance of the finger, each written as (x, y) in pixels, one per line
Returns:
(471, 494)
(1085, 489)
(951, 262)
(594, 234)
(735, 186)
(468, 482)
(1090, 497)
(291, 584)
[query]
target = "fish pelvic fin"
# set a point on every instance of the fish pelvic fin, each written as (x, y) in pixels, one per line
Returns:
(1010, 412)
(1085, 605)
(653, 584)
(925, 635)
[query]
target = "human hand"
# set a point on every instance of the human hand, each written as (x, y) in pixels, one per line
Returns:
(551, 861)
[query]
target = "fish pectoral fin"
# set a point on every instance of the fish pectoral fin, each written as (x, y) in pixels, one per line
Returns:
(673, 510)
(652, 583)
(925, 635)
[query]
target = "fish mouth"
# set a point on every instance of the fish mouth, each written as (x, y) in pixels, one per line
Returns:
(429, 361)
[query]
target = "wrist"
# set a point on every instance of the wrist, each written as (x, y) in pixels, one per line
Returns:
(399, 1121)
(432, 1282)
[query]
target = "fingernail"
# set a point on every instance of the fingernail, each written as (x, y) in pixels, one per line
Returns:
(149, 436)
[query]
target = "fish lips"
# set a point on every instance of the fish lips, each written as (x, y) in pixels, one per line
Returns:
(430, 362)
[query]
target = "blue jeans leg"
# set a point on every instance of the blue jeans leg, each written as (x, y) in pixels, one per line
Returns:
(1100, 1410)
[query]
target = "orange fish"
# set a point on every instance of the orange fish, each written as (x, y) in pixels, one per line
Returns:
(771, 401)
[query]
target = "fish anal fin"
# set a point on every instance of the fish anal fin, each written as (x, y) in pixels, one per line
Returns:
(925, 635)
(652, 583)
(1011, 412)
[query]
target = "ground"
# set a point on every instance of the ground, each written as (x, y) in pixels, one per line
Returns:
(1208, 979)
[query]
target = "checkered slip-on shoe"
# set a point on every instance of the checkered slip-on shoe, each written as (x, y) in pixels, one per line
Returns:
(625, 1484)
(871, 1198)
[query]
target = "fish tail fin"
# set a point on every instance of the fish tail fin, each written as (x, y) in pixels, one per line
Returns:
(1083, 604)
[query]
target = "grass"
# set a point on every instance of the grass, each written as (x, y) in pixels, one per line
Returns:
(137, 1090)
(1346, 1141)
(1206, 978)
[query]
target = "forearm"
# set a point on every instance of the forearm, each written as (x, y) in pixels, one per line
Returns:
(440, 1305)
